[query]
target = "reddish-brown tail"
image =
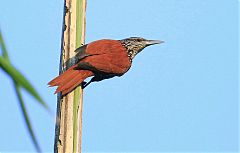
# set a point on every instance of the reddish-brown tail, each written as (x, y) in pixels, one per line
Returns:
(69, 80)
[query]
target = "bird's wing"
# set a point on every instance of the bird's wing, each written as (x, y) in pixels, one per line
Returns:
(81, 52)
(108, 56)
(103, 46)
(98, 47)
(107, 63)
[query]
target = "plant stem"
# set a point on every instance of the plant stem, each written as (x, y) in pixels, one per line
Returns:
(68, 132)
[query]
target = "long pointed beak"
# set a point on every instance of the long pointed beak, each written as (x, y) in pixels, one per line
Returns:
(153, 42)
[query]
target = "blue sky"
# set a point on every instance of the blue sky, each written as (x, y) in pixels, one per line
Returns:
(178, 96)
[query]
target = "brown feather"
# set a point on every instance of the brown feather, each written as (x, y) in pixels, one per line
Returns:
(66, 74)
(75, 82)
(69, 79)
(102, 56)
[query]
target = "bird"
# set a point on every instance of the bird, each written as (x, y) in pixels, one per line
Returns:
(100, 59)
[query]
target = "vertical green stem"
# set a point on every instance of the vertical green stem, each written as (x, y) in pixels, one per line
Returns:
(78, 100)
(68, 133)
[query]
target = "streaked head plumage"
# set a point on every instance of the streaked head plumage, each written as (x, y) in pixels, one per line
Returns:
(134, 45)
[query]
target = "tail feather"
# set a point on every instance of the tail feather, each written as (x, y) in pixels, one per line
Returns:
(69, 83)
(64, 76)
(67, 90)
(69, 80)
(65, 79)
(77, 80)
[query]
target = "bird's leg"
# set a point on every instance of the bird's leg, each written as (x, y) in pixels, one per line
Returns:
(95, 78)
(85, 84)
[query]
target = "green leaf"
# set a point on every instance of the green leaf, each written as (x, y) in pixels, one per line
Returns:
(21, 80)
(3, 47)
(25, 116)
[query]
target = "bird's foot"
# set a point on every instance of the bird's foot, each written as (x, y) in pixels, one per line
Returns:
(84, 83)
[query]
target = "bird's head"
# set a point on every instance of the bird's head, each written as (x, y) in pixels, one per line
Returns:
(134, 45)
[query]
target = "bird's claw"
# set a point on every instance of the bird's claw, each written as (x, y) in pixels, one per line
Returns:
(84, 83)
